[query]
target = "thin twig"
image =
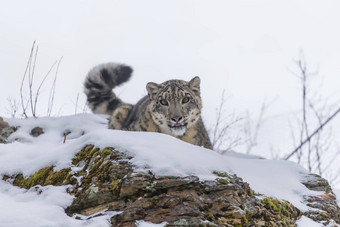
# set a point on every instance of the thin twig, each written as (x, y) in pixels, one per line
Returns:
(38, 90)
(30, 80)
(76, 105)
(52, 91)
(13, 106)
(222, 127)
(313, 134)
(23, 80)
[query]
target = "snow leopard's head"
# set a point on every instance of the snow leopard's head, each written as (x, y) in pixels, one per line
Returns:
(175, 105)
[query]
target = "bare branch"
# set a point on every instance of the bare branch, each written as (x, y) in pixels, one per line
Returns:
(76, 105)
(52, 91)
(223, 125)
(33, 96)
(314, 133)
(13, 106)
(30, 80)
(38, 90)
(23, 80)
(85, 107)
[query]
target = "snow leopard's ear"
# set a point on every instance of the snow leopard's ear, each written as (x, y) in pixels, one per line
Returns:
(194, 85)
(152, 89)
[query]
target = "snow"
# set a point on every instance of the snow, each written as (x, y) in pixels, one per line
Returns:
(30, 154)
(337, 193)
(149, 224)
(307, 222)
(160, 153)
(39, 206)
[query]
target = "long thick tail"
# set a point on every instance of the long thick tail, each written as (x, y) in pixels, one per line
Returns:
(99, 83)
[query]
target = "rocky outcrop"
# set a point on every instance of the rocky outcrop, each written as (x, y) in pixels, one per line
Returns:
(105, 180)
(324, 204)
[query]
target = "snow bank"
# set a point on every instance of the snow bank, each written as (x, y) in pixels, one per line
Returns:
(162, 154)
(39, 206)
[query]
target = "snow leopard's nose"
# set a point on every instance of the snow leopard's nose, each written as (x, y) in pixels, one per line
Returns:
(176, 119)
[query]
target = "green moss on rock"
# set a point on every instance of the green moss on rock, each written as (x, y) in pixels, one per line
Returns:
(283, 209)
(210, 216)
(115, 187)
(276, 205)
(222, 180)
(244, 220)
(107, 151)
(221, 174)
(47, 175)
(251, 192)
(85, 155)
(44, 176)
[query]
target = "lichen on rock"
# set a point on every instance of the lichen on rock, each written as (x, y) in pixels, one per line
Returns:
(45, 176)
(281, 209)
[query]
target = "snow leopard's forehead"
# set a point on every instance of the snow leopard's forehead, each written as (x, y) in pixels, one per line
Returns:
(173, 89)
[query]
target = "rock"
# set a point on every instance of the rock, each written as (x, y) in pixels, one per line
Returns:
(37, 131)
(3, 124)
(106, 180)
(325, 204)
(5, 130)
(315, 183)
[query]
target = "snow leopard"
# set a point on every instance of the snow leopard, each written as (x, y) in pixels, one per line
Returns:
(172, 107)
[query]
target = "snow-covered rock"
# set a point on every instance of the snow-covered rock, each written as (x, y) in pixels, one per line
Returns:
(118, 178)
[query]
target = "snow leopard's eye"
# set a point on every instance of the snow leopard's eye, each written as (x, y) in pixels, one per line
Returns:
(185, 100)
(164, 102)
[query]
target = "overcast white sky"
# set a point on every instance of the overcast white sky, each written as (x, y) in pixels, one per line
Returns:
(244, 47)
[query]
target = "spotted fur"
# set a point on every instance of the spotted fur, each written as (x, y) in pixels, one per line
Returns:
(173, 107)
